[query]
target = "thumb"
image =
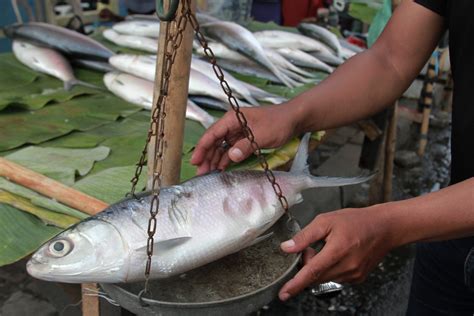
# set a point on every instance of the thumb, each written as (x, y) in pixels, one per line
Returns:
(241, 150)
(315, 231)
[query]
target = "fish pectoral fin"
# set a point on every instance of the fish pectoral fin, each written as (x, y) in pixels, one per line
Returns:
(163, 245)
(260, 239)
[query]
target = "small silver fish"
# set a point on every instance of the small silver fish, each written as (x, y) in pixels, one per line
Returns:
(322, 34)
(138, 28)
(132, 41)
(139, 91)
(199, 221)
(47, 61)
(242, 40)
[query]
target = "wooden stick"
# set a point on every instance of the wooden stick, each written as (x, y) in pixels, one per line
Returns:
(427, 102)
(90, 303)
(390, 146)
(50, 188)
(176, 105)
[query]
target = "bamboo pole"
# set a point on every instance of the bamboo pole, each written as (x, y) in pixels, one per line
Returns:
(66, 195)
(427, 102)
(90, 303)
(50, 188)
(176, 105)
(390, 146)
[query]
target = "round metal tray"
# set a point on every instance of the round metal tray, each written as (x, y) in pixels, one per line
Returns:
(235, 285)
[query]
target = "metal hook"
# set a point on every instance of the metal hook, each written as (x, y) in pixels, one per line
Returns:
(291, 224)
(168, 16)
(140, 298)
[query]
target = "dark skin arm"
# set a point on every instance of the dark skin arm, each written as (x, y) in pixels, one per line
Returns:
(356, 240)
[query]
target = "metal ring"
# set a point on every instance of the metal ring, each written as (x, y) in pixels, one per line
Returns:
(290, 224)
(168, 16)
(140, 298)
(224, 145)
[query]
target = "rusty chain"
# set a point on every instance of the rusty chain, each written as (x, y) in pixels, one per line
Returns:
(172, 43)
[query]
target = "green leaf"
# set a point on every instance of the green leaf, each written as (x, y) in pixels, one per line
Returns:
(82, 113)
(47, 216)
(39, 200)
(59, 163)
(363, 12)
(110, 185)
(13, 74)
(21, 234)
(255, 26)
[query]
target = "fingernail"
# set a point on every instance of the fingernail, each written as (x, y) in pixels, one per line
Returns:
(284, 296)
(236, 154)
(288, 244)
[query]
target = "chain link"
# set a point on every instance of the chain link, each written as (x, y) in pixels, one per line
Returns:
(238, 113)
(172, 43)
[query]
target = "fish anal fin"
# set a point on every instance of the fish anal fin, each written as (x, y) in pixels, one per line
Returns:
(261, 238)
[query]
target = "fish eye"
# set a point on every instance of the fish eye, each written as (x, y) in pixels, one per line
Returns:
(60, 247)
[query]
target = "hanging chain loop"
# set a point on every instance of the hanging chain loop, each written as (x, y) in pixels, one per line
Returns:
(174, 37)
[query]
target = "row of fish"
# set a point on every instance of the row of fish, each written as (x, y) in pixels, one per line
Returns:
(278, 56)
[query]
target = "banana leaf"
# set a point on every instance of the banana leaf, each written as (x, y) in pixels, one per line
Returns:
(47, 216)
(39, 200)
(82, 113)
(13, 74)
(36, 91)
(21, 234)
(60, 164)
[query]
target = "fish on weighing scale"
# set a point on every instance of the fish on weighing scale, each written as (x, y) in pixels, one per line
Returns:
(190, 224)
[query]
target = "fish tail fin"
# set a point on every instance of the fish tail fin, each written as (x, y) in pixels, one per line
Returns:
(250, 99)
(68, 85)
(300, 166)
(300, 162)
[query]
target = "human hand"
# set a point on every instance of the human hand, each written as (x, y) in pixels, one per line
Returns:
(272, 126)
(356, 241)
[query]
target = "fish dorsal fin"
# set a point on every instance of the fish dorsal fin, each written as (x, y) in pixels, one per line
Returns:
(300, 163)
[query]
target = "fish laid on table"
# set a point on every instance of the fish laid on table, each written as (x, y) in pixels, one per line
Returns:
(131, 41)
(281, 39)
(144, 67)
(328, 58)
(288, 68)
(142, 17)
(265, 96)
(48, 61)
(236, 85)
(68, 42)
(138, 28)
(242, 40)
(210, 103)
(93, 64)
(199, 221)
(140, 92)
(322, 34)
(248, 68)
(303, 59)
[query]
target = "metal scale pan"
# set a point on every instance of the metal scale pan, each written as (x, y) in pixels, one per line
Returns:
(238, 284)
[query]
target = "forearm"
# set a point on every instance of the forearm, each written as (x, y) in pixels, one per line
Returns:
(373, 79)
(445, 214)
(362, 86)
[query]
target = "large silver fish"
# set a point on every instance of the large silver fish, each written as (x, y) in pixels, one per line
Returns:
(132, 41)
(322, 34)
(145, 28)
(242, 40)
(199, 221)
(140, 92)
(67, 42)
(47, 61)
